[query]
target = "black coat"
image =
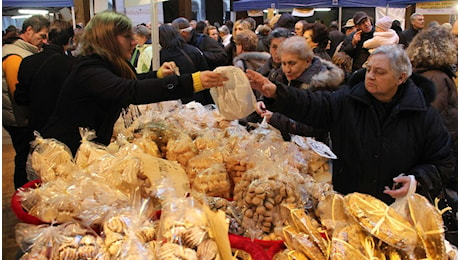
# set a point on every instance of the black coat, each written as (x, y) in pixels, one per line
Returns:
(320, 76)
(40, 79)
(358, 53)
(212, 50)
(373, 149)
(93, 96)
(407, 36)
(193, 63)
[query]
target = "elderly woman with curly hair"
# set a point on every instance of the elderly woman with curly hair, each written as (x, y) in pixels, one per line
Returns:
(433, 53)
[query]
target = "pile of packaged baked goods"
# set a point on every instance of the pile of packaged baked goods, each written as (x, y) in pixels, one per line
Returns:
(180, 182)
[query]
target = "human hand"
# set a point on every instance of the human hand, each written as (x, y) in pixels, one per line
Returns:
(168, 68)
(260, 107)
(267, 114)
(261, 83)
(404, 182)
(211, 79)
(356, 37)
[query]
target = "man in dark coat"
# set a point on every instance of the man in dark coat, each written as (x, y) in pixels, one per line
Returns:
(353, 43)
(213, 52)
(417, 22)
(381, 125)
(41, 75)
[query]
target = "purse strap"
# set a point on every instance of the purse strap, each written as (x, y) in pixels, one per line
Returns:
(188, 57)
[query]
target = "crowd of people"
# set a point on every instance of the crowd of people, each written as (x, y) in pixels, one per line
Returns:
(384, 99)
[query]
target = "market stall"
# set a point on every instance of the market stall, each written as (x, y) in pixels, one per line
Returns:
(182, 182)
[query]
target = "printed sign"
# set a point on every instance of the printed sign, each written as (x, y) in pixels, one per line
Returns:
(441, 7)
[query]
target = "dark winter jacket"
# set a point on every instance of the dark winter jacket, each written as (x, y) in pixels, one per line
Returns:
(446, 101)
(320, 76)
(193, 63)
(358, 53)
(406, 36)
(212, 50)
(93, 97)
(40, 80)
(373, 148)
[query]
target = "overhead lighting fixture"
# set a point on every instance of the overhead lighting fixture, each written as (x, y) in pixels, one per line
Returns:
(21, 16)
(33, 11)
(322, 9)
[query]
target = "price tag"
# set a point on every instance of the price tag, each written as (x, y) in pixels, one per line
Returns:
(316, 146)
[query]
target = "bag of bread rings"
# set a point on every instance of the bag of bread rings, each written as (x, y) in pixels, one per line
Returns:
(235, 99)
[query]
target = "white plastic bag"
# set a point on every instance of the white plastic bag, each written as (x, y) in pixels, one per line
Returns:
(400, 203)
(236, 99)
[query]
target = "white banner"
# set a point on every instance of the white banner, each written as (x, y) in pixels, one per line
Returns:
(441, 7)
(393, 13)
(131, 3)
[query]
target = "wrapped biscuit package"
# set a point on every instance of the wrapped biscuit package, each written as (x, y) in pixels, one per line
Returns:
(236, 99)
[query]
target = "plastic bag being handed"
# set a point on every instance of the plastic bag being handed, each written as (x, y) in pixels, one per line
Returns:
(400, 204)
(235, 99)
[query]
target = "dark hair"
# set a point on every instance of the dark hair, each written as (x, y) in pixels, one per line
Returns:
(200, 26)
(286, 20)
(229, 24)
(169, 38)
(60, 32)
(319, 35)
(279, 33)
(334, 25)
(396, 26)
(11, 28)
(38, 22)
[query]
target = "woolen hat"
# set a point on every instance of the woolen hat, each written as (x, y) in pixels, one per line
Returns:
(359, 17)
(384, 23)
(349, 23)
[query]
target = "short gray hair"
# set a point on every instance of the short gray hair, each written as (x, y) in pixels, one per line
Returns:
(414, 15)
(399, 61)
(296, 45)
(224, 29)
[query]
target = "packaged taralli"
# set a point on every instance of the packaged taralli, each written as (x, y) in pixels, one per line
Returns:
(235, 99)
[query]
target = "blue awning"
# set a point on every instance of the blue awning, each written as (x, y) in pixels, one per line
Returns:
(244, 5)
(37, 3)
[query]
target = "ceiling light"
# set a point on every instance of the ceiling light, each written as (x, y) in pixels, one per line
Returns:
(322, 9)
(33, 11)
(21, 16)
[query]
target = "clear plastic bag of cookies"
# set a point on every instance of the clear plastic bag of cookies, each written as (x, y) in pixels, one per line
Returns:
(49, 160)
(212, 181)
(70, 240)
(89, 152)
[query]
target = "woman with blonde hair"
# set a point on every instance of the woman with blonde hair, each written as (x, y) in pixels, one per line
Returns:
(103, 82)
(230, 49)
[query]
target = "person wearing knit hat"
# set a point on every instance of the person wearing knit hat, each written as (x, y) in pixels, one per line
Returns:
(383, 35)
